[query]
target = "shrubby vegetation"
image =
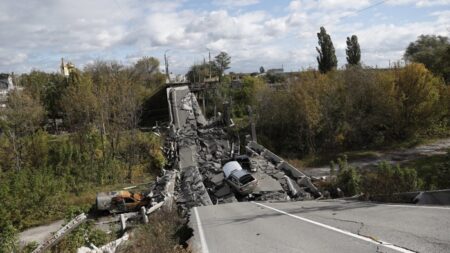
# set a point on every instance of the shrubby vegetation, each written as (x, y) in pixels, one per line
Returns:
(387, 179)
(46, 166)
(381, 182)
(353, 108)
(86, 232)
(165, 232)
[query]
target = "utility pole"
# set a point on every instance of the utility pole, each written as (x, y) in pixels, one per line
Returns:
(209, 62)
(252, 123)
(166, 63)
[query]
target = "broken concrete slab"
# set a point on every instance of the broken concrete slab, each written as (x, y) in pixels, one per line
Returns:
(279, 175)
(223, 191)
(290, 170)
(266, 183)
(218, 179)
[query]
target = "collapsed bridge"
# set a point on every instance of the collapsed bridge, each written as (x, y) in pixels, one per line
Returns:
(203, 146)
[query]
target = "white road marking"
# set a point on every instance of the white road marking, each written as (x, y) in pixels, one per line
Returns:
(200, 232)
(429, 207)
(385, 244)
(394, 205)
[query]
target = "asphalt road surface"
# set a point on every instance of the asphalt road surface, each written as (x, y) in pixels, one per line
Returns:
(320, 226)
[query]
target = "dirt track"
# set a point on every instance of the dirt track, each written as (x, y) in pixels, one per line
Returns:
(438, 147)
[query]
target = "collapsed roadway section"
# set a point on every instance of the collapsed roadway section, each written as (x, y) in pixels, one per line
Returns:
(203, 146)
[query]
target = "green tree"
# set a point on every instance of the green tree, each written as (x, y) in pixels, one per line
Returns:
(52, 95)
(327, 57)
(22, 117)
(80, 104)
(417, 92)
(35, 82)
(222, 61)
(198, 72)
(353, 51)
(247, 95)
(445, 65)
(146, 71)
(432, 51)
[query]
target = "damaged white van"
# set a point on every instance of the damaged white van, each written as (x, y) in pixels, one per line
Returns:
(241, 180)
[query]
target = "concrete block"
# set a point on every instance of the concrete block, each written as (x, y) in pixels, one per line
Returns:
(256, 147)
(223, 191)
(290, 170)
(272, 157)
(218, 179)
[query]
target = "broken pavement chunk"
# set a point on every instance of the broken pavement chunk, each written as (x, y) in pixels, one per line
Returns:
(218, 179)
(223, 191)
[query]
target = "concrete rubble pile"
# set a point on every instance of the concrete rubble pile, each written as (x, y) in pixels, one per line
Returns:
(293, 181)
(186, 117)
(214, 150)
(202, 149)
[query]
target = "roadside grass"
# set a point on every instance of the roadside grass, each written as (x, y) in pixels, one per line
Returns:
(318, 160)
(324, 158)
(84, 200)
(165, 233)
(433, 171)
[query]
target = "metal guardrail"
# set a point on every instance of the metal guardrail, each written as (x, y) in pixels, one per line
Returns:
(75, 222)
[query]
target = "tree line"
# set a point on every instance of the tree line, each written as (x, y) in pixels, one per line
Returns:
(62, 138)
(353, 108)
(431, 50)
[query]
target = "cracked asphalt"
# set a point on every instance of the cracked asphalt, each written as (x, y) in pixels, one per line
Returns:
(321, 226)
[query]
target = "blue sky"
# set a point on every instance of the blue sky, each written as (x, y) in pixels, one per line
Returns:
(36, 34)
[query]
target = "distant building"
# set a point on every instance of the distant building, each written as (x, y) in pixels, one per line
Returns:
(6, 86)
(66, 68)
(173, 79)
(275, 71)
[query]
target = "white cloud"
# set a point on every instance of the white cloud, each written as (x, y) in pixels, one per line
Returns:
(420, 3)
(38, 33)
(236, 3)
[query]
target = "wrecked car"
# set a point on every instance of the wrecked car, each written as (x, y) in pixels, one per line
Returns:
(240, 180)
(120, 201)
(245, 162)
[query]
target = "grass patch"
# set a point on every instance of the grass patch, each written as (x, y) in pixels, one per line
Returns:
(433, 171)
(84, 200)
(318, 160)
(165, 233)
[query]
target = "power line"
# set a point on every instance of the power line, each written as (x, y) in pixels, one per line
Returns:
(348, 15)
(359, 11)
(371, 6)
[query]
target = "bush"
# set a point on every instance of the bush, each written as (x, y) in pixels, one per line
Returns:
(162, 234)
(388, 179)
(348, 179)
(8, 238)
(352, 108)
(418, 95)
